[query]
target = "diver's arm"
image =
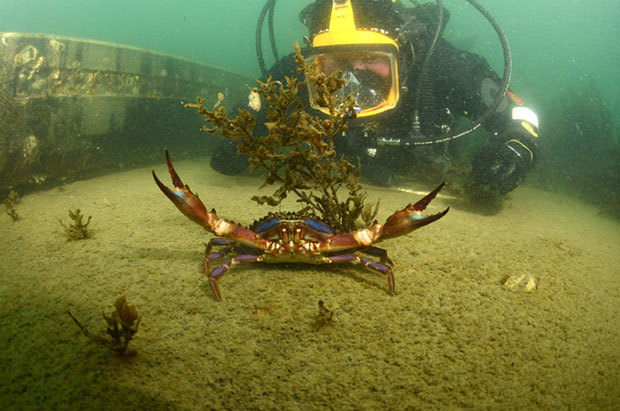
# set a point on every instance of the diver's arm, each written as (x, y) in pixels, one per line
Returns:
(471, 86)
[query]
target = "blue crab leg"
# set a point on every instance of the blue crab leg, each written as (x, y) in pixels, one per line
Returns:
(210, 257)
(221, 241)
(220, 271)
(186, 201)
(410, 218)
(377, 252)
(400, 223)
(366, 262)
(221, 253)
(189, 204)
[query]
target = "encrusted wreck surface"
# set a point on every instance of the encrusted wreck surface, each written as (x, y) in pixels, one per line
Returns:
(73, 108)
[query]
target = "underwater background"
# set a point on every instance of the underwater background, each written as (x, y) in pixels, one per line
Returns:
(566, 56)
(557, 45)
(464, 329)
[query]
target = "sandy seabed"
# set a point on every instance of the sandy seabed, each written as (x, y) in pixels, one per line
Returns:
(453, 336)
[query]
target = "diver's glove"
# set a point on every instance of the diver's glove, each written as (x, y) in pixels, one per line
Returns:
(226, 160)
(502, 166)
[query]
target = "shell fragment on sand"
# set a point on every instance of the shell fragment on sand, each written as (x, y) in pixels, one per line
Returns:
(523, 282)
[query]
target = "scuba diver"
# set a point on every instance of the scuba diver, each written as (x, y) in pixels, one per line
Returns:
(412, 88)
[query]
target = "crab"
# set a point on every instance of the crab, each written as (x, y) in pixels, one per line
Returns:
(294, 237)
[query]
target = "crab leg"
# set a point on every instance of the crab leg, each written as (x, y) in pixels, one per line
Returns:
(368, 263)
(210, 257)
(377, 252)
(400, 223)
(220, 271)
(189, 204)
(410, 218)
(221, 253)
(232, 247)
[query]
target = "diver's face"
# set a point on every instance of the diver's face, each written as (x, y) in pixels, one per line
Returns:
(367, 74)
(373, 62)
(379, 65)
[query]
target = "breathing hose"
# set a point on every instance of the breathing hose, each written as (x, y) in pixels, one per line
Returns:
(417, 132)
(419, 138)
(267, 8)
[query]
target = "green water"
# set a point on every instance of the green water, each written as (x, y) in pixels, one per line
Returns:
(564, 51)
(556, 44)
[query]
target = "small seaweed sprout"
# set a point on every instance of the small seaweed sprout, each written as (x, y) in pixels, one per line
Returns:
(79, 229)
(9, 205)
(122, 326)
(10, 210)
(325, 316)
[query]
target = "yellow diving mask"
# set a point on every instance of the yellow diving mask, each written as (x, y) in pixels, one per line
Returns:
(367, 59)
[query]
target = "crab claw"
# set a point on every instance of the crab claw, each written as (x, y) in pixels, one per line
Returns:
(186, 201)
(410, 218)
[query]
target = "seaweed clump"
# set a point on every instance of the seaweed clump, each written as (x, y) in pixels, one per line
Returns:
(79, 229)
(298, 154)
(122, 326)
